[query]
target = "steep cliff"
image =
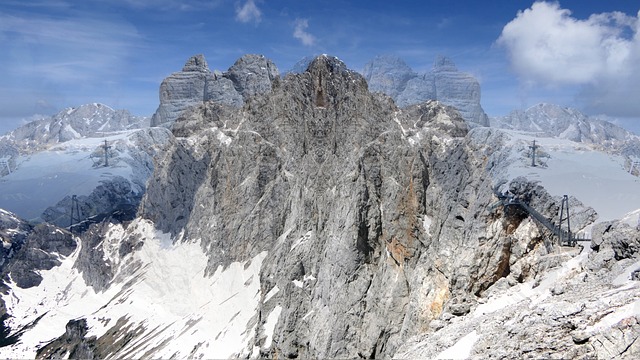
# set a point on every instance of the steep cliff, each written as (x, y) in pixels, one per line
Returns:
(355, 202)
(445, 83)
(195, 84)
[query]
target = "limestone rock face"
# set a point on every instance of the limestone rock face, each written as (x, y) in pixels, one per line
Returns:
(182, 90)
(389, 75)
(252, 75)
(458, 89)
(195, 84)
(445, 83)
(354, 201)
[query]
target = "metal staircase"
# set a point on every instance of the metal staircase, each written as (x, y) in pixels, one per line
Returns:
(565, 237)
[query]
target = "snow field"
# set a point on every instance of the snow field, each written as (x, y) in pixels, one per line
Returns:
(46, 177)
(184, 312)
(597, 179)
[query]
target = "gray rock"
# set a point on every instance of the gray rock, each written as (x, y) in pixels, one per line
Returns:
(460, 90)
(392, 76)
(302, 65)
(613, 240)
(252, 75)
(72, 344)
(389, 75)
(182, 90)
(222, 90)
(321, 162)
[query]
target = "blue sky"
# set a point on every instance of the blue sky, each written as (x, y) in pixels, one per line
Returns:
(62, 53)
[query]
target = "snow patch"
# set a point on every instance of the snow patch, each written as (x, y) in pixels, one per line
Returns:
(461, 349)
(302, 240)
(426, 223)
(270, 325)
(271, 293)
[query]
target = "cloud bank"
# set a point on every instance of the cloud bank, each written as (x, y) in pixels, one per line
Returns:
(300, 32)
(601, 54)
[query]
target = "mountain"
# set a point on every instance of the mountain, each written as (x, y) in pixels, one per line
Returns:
(321, 221)
(43, 164)
(248, 76)
(567, 123)
(445, 83)
(90, 120)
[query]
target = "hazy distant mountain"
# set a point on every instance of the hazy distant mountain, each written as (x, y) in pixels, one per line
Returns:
(567, 123)
(46, 162)
(445, 83)
(90, 120)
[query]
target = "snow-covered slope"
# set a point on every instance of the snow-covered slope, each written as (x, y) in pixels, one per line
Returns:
(41, 179)
(159, 302)
(550, 120)
(89, 120)
(598, 179)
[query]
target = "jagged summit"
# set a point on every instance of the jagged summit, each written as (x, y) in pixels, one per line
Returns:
(196, 63)
(249, 76)
(88, 120)
(391, 75)
(569, 123)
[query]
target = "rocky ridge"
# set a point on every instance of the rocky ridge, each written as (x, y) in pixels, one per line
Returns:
(445, 83)
(89, 120)
(195, 84)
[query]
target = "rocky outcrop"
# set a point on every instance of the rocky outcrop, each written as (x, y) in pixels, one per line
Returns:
(195, 84)
(445, 83)
(71, 345)
(356, 202)
(582, 306)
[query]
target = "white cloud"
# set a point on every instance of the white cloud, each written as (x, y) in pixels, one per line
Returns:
(547, 46)
(248, 12)
(300, 32)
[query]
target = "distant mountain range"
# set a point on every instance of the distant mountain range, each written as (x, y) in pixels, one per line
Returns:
(566, 123)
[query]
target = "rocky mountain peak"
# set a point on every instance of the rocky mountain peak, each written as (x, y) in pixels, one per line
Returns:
(252, 75)
(195, 84)
(388, 74)
(196, 63)
(557, 121)
(392, 76)
(327, 64)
